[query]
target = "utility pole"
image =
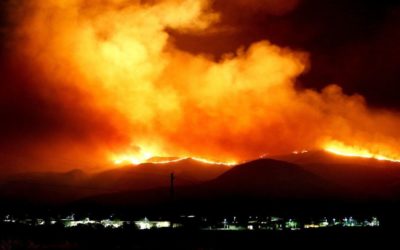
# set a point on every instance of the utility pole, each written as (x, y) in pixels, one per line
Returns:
(172, 197)
(172, 189)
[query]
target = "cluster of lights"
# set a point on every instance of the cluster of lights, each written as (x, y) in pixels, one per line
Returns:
(234, 224)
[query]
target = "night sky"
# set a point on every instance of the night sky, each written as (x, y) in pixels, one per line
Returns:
(352, 43)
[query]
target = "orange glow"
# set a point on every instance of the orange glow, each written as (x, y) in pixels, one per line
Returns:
(296, 152)
(155, 156)
(228, 163)
(137, 161)
(356, 151)
(164, 101)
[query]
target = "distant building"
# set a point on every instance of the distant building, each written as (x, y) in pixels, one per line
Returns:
(146, 224)
(112, 223)
(74, 223)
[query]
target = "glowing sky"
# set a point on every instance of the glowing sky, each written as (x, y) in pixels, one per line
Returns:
(86, 82)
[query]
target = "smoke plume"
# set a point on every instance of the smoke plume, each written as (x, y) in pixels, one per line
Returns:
(102, 79)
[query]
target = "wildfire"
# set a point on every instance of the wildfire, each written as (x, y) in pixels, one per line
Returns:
(149, 158)
(123, 63)
(227, 163)
(340, 148)
(297, 152)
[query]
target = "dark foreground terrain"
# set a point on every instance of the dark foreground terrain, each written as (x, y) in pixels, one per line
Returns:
(90, 238)
(309, 184)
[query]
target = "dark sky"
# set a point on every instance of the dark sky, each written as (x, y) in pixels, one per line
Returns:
(352, 43)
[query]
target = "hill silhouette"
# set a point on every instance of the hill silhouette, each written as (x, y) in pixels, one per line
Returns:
(62, 188)
(368, 178)
(307, 180)
(271, 178)
(252, 183)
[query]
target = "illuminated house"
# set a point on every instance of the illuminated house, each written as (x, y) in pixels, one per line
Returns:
(145, 224)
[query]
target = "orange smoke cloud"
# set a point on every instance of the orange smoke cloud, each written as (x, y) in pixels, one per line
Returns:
(164, 101)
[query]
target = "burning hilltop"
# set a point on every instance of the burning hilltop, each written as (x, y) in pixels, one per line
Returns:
(119, 90)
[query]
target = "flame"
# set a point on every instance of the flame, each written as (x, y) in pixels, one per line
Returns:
(340, 148)
(297, 152)
(164, 101)
(228, 163)
(135, 160)
(151, 154)
(141, 159)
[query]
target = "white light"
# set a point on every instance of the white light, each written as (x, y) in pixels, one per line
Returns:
(163, 224)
